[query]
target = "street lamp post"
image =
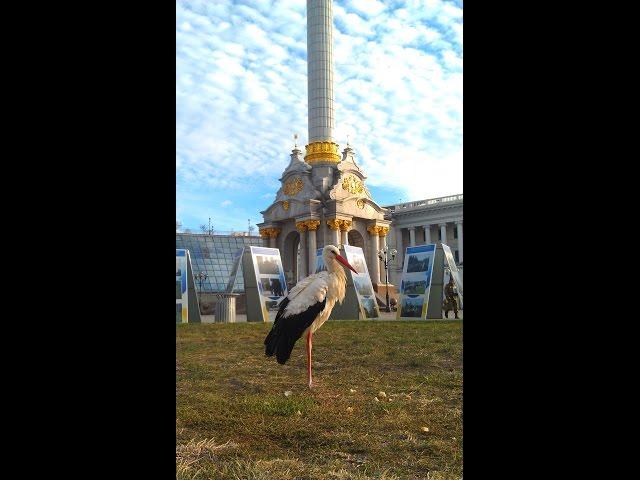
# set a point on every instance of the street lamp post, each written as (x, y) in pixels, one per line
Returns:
(383, 255)
(201, 277)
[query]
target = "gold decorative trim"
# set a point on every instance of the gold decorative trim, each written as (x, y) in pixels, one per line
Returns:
(301, 226)
(334, 224)
(378, 230)
(322, 152)
(292, 187)
(285, 205)
(352, 185)
(360, 203)
(345, 225)
(312, 224)
(269, 232)
(339, 224)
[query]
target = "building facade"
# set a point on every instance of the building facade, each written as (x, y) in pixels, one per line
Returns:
(435, 220)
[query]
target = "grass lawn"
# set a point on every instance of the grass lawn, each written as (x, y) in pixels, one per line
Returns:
(234, 420)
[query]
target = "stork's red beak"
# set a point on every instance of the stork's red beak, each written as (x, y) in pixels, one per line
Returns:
(344, 262)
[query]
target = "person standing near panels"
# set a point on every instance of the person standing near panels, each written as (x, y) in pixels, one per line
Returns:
(450, 299)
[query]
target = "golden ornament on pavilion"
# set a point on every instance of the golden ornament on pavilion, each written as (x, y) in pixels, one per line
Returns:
(293, 186)
(352, 185)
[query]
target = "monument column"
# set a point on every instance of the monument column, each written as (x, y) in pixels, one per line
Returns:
(374, 246)
(304, 261)
(334, 225)
(459, 226)
(312, 227)
(412, 236)
(427, 234)
(443, 233)
(321, 116)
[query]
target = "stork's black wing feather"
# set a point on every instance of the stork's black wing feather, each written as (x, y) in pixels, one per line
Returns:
(287, 330)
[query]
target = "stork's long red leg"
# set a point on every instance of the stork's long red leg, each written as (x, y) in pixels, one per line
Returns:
(309, 346)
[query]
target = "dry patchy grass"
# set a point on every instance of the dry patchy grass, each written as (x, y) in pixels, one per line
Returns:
(234, 421)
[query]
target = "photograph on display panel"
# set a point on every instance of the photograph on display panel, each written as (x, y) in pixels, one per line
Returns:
(270, 278)
(416, 280)
(182, 303)
(362, 282)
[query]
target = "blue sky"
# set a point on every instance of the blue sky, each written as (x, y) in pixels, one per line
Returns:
(241, 94)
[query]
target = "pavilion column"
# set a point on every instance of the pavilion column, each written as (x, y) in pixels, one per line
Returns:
(270, 233)
(427, 234)
(399, 245)
(345, 226)
(312, 227)
(412, 236)
(459, 226)
(304, 263)
(374, 246)
(334, 231)
(443, 232)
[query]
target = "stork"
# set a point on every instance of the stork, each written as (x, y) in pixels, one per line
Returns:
(307, 307)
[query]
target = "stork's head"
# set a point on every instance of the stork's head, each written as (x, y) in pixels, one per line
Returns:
(332, 257)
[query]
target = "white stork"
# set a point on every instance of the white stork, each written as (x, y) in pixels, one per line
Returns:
(307, 307)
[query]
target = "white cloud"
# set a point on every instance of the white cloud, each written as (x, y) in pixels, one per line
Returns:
(226, 203)
(241, 92)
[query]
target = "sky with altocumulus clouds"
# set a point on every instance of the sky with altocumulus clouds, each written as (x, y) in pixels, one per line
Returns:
(241, 94)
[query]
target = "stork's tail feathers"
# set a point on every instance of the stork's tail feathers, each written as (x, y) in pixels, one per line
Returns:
(287, 330)
(280, 344)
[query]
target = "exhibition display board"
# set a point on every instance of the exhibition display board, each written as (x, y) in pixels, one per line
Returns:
(356, 305)
(187, 309)
(416, 282)
(362, 282)
(423, 279)
(265, 283)
(237, 257)
(453, 268)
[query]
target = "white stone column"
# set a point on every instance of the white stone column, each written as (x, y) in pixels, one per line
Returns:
(374, 246)
(443, 232)
(459, 226)
(427, 234)
(412, 236)
(334, 231)
(312, 227)
(397, 265)
(269, 236)
(345, 226)
(304, 260)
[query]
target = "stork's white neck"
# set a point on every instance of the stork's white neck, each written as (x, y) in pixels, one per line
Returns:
(337, 284)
